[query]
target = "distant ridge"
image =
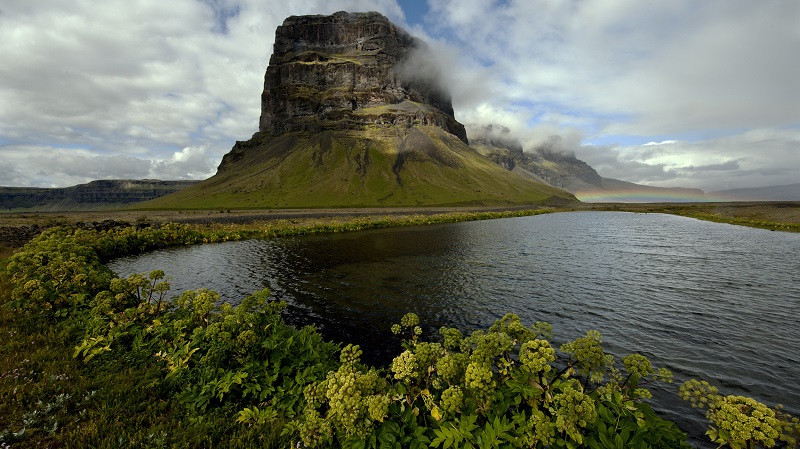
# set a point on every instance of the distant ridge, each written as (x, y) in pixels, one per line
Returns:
(98, 194)
(789, 192)
(615, 191)
(560, 168)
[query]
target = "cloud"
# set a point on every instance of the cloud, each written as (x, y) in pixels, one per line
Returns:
(136, 81)
(663, 142)
(58, 167)
(121, 87)
(188, 163)
(694, 83)
(55, 167)
(725, 167)
(711, 164)
(642, 68)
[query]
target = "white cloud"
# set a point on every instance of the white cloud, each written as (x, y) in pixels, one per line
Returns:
(96, 84)
(120, 87)
(663, 142)
(712, 164)
(188, 163)
(654, 68)
(681, 71)
(58, 167)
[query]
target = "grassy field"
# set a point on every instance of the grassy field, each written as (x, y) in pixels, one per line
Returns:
(777, 216)
(18, 228)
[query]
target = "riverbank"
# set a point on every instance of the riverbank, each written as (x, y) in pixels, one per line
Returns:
(778, 215)
(84, 346)
(16, 229)
(194, 373)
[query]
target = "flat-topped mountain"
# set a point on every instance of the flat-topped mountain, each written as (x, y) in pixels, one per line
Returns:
(353, 113)
(345, 70)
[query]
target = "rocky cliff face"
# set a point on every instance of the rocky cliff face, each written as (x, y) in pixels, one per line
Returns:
(546, 163)
(347, 71)
(551, 164)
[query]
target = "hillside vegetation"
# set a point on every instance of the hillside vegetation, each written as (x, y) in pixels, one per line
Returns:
(423, 166)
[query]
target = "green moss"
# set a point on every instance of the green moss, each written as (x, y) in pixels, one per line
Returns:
(405, 106)
(302, 91)
(312, 57)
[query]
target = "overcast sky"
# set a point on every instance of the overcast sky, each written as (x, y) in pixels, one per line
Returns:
(666, 92)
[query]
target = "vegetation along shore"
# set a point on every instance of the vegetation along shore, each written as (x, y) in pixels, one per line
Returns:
(17, 228)
(90, 360)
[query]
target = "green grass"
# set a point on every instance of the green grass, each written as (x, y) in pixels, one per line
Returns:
(327, 170)
(750, 222)
(754, 215)
(405, 106)
(49, 399)
(312, 57)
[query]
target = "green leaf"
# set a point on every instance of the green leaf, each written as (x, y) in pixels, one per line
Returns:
(441, 437)
(605, 413)
(625, 434)
(354, 443)
(606, 440)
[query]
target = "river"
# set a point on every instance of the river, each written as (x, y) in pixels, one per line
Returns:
(706, 300)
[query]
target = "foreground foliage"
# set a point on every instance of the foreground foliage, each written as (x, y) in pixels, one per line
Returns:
(494, 388)
(739, 421)
(90, 359)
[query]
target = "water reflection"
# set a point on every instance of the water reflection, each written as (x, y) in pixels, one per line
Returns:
(706, 300)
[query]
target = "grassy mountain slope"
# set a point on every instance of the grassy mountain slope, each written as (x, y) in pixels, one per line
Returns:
(417, 166)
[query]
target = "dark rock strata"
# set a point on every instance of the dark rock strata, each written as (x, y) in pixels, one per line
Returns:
(547, 162)
(348, 71)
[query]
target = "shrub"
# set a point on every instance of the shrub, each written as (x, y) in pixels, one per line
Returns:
(207, 366)
(504, 387)
(56, 273)
(738, 421)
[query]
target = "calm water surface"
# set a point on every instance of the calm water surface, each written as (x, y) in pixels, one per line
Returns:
(706, 300)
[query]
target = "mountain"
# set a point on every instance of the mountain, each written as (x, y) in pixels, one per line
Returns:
(555, 165)
(353, 113)
(94, 195)
(789, 192)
